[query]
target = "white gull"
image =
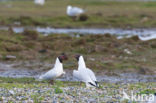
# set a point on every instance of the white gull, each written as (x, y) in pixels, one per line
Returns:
(85, 74)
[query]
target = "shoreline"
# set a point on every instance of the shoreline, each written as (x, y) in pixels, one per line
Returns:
(144, 34)
(30, 71)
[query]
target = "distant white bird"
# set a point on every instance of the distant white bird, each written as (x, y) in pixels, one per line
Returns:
(56, 71)
(74, 11)
(148, 37)
(84, 74)
(39, 2)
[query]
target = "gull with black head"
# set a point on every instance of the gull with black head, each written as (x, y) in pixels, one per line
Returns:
(56, 71)
(84, 74)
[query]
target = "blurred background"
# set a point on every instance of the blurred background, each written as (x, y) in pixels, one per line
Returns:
(115, 36)
(100, 13)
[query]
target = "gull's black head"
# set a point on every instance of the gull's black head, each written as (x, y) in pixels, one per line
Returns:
(77, 57)
(62, 57)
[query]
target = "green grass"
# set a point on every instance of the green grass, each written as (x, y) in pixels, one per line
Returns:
(17, 80)
(102, 13)
(31, 82)
(58, 90)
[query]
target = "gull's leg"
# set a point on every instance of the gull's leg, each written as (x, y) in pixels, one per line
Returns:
(74, 18)
(51, 82)
(80, 83)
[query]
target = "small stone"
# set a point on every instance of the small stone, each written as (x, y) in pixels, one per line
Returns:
(11, 92)
(92, 59)
(127, 51)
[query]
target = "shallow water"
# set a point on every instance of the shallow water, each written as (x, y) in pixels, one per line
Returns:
(143, 34)
(8, 70)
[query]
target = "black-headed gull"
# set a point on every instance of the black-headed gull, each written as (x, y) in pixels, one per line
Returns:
(56, 71)
(84, 74)
(74, 11)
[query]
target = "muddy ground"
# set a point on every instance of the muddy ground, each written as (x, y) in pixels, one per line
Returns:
(104, 54)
